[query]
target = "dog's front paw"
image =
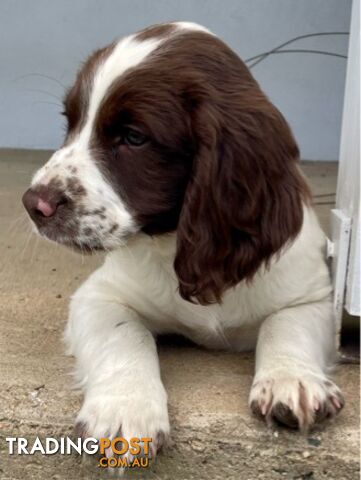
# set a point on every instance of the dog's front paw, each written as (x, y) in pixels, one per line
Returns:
(297, 401)
(137, 410)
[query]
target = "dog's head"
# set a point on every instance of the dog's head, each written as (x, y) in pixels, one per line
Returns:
(168, 130)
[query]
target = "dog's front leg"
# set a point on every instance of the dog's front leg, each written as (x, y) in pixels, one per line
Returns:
(117, 367)
(294, 353)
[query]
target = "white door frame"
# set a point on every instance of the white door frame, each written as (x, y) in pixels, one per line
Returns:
(345, 218)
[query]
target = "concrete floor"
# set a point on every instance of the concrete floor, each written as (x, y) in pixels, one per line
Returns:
(213, 432)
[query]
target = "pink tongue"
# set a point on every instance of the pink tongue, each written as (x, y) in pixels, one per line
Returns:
(45, 208)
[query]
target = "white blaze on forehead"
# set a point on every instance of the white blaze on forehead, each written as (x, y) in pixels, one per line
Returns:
(192, 26)
(128, 53)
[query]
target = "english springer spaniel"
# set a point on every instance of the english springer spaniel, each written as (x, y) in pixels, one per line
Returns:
(177, 165)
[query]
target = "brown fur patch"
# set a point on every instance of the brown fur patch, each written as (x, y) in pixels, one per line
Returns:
(74, 187)
(113, 228)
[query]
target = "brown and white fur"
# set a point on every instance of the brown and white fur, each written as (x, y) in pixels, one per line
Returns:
(178, 166)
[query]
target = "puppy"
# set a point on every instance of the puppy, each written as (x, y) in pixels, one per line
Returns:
(177, 165)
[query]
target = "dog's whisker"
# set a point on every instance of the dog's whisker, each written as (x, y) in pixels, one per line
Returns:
(30, 234)
(41, 75)
(47, 102)
(16, 223)
(49, 94)
(35, 246)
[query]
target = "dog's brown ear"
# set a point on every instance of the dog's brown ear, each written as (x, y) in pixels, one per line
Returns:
(244, 200)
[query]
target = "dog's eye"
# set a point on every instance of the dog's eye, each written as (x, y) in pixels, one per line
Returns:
(133, 138)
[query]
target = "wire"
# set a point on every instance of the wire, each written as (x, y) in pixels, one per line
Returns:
(259, 58)
(319, 52)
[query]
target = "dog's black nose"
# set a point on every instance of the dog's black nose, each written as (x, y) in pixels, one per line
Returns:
(42, 204)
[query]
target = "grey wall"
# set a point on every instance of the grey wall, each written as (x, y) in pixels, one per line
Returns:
(52, 37)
